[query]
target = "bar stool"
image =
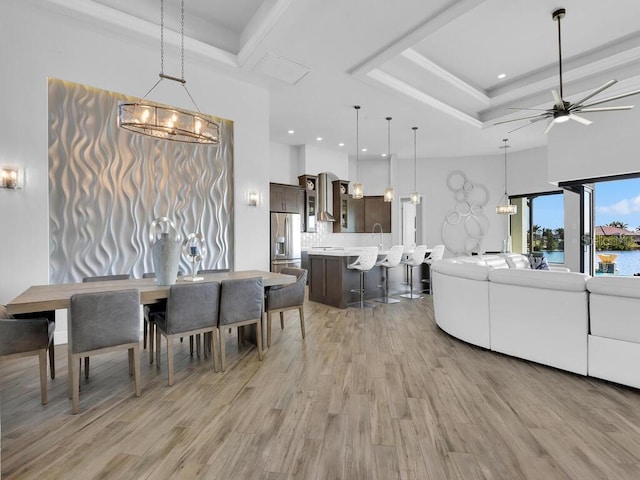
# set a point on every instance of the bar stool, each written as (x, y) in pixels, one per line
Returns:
(436, 254)
(392, 260)
(417, 257)
(363, 263)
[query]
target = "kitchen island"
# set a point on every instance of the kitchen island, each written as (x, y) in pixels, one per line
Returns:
(331, 282)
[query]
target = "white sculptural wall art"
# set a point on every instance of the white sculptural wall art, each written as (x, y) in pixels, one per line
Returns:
(465, 225)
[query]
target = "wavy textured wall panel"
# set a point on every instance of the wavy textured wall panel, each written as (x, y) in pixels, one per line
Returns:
(106, 186)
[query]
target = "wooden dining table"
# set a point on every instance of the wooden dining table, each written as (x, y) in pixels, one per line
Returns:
(47, 298)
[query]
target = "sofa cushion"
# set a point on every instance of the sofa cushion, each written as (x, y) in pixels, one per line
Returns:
(495, 261)
(464, 270)
(550, 280)
(617, 286)
(516, 260)
(538, 262)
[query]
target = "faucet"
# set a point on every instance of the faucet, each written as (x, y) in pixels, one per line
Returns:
(373, 231)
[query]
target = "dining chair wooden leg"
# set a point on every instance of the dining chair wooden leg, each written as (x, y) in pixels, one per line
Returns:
(144, 333)
(170, 359)
(130, 362)
(158, 347)
(281, 320)
(42, 359)
(86, 368)
(259, 338)
(152, 336)
(223, 355)
(52, 361)
(214, 346)
(75, 385)
(136, 368)
(198, 345)
(268, 329)
(191, 345)
(301, 310)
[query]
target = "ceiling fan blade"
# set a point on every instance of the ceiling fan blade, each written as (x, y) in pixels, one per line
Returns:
(522, 108)
(533, 120)
(579, 119)
(542, 115)
(557, 99)
(610, 99)
(594, 93)
(604, 109)
(549, 127)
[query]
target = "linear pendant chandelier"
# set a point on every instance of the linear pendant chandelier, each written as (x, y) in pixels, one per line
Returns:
(504, 207)
(165, 122)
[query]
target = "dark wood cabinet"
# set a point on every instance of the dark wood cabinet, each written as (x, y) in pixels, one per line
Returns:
(325, 284)
(310, 202)
(376, 210)
(344, 208)
(285, 198)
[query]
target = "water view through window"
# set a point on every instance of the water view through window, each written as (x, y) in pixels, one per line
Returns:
(617, 227)
(547, 226)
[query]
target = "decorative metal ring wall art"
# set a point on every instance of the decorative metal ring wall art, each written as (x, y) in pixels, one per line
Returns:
(465, 225)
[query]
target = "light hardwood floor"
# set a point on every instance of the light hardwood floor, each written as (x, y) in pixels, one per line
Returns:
(375, 394)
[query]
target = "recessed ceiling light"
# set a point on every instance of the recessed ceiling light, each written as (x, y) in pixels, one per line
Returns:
(383, 154)
(319, 139)
(502, 75)
(364, 149)
(341, 144)
(291, 132)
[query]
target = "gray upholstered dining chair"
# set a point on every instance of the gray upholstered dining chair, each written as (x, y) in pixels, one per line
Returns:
(288, 297)
(192, 309)
(100, 278)
(241, 303)
(24, 337)
(101, 323)
(213, 270)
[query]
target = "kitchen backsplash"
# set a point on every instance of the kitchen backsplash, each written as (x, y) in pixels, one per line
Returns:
(325, 237)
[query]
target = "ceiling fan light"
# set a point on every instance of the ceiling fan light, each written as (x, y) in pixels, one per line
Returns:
(561, 118)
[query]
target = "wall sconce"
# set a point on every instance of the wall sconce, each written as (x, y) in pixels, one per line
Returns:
(254, 199)
(9, 178)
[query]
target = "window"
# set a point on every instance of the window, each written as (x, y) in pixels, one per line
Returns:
(540, 225)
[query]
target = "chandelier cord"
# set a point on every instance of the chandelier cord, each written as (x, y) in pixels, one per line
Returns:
(415, 163)
(162, 74)
(389, 146)
(357, 141)
(506, 196)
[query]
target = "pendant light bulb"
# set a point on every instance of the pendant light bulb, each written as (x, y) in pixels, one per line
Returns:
(388, 192)
(415, 196)
(358, 189)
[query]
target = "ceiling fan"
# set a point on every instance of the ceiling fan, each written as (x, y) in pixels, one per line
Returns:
(562, 110)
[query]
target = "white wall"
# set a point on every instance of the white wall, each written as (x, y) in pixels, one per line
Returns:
(35, 43)
(314, 160)
(438, 200)
(283, 164)
(609, 146)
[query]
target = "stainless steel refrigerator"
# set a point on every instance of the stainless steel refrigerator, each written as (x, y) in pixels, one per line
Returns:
(285, 240)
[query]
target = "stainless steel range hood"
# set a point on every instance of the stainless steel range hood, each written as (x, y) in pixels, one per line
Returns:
(325, 197)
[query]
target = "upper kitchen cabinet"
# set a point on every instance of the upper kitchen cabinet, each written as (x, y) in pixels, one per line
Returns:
(285, 198)
(344, 208)
(309, 184)
(376, 210)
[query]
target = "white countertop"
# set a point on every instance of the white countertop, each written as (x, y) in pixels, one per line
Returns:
(339, 251)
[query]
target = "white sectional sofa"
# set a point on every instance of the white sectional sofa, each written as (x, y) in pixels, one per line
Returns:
(566, 320)
(540, 316)
(614, 340)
